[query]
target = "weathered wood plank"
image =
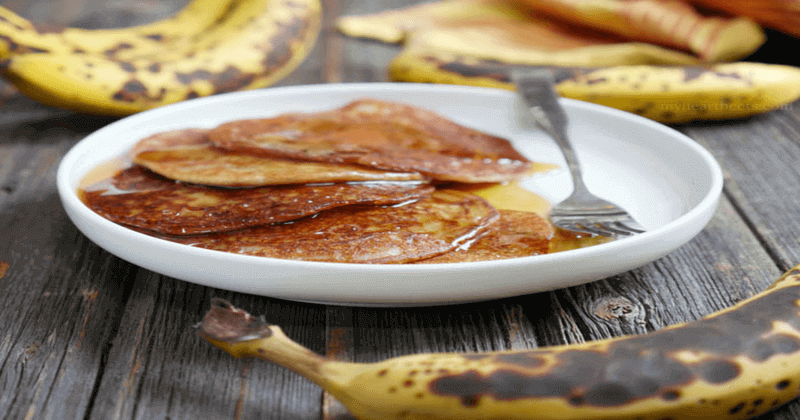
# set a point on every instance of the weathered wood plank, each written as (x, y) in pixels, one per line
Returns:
(158, 367)
(723, 265)
(58, 308)
(760, 156)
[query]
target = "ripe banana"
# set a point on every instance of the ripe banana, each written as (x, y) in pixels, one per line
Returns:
(736, 363)
(664, 94)
(251, 44)
(20, 36)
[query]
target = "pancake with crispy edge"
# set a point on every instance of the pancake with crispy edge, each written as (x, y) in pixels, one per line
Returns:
(364, 234)
(188, 155)
(379, 134)
(515, 234)
(139, 198)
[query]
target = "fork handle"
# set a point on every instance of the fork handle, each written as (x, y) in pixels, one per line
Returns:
(535, 88)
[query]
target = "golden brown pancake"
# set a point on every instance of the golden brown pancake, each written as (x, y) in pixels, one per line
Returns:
(137, 197)
(382, 135)
(364, 234)
(188, 155)
(515, 234)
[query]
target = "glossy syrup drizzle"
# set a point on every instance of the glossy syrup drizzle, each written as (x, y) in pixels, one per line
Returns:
(507, 196)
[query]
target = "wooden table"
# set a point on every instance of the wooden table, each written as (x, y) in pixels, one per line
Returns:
(85, 335)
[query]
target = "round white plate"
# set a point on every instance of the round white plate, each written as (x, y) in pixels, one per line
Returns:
(666, 180)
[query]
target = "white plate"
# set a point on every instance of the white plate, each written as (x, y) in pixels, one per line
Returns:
(666, 180)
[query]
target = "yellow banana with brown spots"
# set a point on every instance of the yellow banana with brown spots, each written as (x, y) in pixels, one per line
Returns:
(662, 93)
(254, 44)
(20, 36)
(734, 364)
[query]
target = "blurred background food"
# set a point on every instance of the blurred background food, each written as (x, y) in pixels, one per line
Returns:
(671, 61)
(208, 48)
(584, 32)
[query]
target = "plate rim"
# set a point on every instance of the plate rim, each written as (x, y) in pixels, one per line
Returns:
(71, 202)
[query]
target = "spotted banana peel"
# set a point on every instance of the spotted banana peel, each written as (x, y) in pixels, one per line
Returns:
(209, 47)
(20, 36)
(737, 363)
(668, 94)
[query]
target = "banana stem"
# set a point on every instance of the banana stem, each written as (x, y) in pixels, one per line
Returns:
(242, 335)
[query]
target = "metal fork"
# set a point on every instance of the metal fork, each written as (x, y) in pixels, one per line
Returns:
(582, 211)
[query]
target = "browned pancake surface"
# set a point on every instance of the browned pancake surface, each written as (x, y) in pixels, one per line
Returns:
(188, 155)
(359, 234)
(137, 197)
(515, 234)
(379, 134)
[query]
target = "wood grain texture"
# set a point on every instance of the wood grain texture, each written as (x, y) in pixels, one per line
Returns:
(760, 156)
(85, 335)
(691, 282)
(339, 345)
(58, 310)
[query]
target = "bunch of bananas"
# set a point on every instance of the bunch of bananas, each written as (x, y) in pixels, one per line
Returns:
(734, 364)
(208, 47)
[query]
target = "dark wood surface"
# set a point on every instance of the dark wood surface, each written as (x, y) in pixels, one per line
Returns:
(85, 335)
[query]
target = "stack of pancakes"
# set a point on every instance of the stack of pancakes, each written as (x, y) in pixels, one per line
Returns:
(366, 183)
